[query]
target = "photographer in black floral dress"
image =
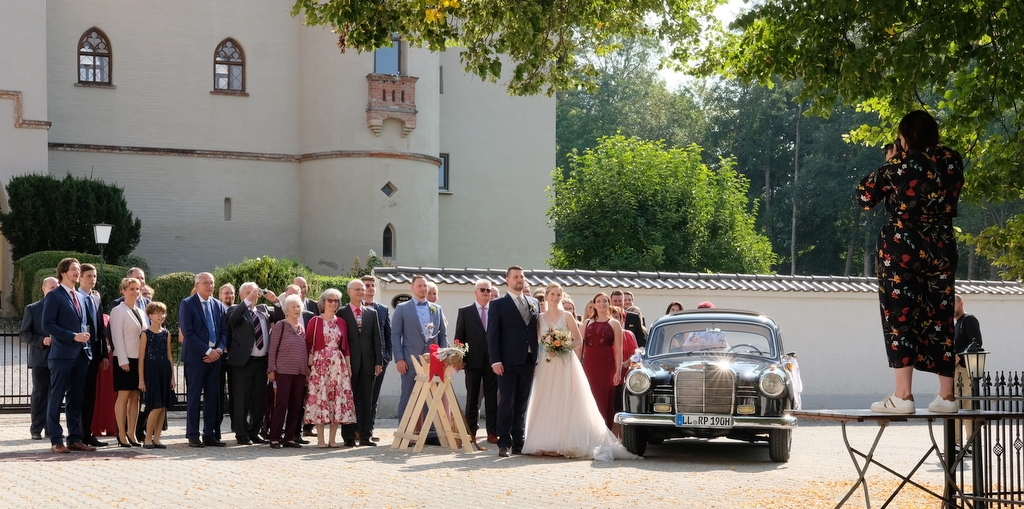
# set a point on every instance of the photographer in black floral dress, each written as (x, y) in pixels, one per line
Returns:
(917, 259)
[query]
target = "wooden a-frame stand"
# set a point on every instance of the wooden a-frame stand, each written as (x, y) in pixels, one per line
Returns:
(427, 395)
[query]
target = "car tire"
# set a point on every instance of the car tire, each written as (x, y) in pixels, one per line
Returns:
(779, 444)
(634, 438)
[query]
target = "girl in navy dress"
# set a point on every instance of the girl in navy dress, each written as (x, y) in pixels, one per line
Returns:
(155, 373)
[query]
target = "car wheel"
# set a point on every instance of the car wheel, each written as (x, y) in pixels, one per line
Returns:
(634, 438)
(779, 443)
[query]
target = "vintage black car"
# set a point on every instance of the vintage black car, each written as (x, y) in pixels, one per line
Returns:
(710, 373)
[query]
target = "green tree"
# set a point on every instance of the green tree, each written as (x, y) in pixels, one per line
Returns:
(958, 59)
(35, 224)
(629, 98)
(637, 205)
(540, 38)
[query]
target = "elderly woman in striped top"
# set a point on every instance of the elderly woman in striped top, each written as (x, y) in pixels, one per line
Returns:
(288, 368)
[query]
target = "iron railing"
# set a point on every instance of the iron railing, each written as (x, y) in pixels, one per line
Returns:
(995, 477)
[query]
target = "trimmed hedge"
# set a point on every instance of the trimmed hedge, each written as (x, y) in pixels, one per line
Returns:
(270, 273)
(320, 283)
(171, 289)
(26, 286)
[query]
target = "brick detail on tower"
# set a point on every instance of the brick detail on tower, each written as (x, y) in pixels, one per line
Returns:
(391, 96)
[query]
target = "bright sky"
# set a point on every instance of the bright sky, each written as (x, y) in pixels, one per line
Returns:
(726, 13)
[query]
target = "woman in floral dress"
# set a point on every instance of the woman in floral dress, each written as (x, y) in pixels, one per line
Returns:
(917, 258)
(330, 380)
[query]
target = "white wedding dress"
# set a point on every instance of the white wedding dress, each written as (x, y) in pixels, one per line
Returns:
(562, 417)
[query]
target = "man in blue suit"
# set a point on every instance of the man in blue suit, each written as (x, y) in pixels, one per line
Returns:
(417, 324)
(512, 349)
(201, 318)
(66, 319)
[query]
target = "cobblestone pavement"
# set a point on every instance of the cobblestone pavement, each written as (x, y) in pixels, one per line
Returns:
(691, 473)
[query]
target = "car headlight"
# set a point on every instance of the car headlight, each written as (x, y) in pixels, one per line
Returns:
(772, 385)
(638, 382)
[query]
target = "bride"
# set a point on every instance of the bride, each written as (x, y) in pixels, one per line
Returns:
(563, 419)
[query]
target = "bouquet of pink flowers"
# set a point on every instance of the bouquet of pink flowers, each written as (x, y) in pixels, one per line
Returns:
(557, 343)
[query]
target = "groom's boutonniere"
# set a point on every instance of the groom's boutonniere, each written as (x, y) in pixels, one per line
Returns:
(433, 308)
(533, 308)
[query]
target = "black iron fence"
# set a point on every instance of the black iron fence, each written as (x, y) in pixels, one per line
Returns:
(15, 375)
(15, 378)
(994, 477)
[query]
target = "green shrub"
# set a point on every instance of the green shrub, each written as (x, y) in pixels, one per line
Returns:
(134, 260)
(171, 289)
(25, 269)
(320, 283)
(33, 223)
(270, 273)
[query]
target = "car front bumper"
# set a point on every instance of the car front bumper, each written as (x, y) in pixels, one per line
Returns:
(739, 422)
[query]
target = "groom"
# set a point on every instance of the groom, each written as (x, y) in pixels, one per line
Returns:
(512, 346)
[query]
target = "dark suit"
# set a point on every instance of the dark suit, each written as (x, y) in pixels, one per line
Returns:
(201, 378)
(32, 333)
(68, 361)
(635, 325)
(98, 342)
(512, 342)
(248, 372)
(364, 347)
(968, 331)
(479, 374)
(384, 321)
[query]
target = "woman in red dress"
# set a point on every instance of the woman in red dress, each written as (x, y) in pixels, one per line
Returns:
(602, 349)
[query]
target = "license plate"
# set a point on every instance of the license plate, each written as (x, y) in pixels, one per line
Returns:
(703, 421)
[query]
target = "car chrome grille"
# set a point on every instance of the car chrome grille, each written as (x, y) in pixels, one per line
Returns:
(707, 391)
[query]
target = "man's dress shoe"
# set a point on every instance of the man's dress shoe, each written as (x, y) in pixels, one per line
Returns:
(80, 447)
(213, 442)
(503, 452)
(59, 448)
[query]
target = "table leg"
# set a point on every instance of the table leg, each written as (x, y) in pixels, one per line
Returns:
(949, 461)
(860, 471)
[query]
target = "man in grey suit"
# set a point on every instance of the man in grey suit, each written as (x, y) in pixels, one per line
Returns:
(366, 361)
(416, 325)
(38, 348)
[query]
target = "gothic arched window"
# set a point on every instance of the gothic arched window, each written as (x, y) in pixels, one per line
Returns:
(229, 67)
(94, 57)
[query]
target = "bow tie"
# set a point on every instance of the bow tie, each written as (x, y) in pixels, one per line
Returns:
(424, 303)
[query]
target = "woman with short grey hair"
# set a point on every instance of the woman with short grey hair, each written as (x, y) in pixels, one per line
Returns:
(330, 379)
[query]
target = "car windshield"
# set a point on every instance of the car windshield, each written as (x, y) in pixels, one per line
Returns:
(705, 336)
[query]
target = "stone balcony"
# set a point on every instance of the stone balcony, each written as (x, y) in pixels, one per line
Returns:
(391, 96)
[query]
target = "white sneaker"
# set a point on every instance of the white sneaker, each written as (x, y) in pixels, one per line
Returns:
(893, 405)
(942, 406)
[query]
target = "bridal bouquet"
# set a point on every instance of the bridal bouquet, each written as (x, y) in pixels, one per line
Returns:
(453, 356)
(557, 343)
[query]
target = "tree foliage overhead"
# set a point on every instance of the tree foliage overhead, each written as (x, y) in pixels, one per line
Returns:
(960, 59)
(36, 223)
(539, 37)
(635, 205)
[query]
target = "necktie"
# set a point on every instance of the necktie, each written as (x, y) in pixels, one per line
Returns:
(257, 330)
(74, 300)
(483, 316)
(209, 324)
(85, 328)
(359, 317)
(523, 309)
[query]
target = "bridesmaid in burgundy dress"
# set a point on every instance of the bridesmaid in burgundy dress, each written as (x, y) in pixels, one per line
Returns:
(602, 349)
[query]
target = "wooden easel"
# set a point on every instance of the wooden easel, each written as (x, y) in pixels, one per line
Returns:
(427, 395)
